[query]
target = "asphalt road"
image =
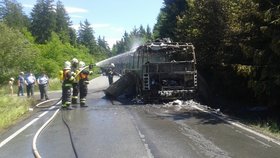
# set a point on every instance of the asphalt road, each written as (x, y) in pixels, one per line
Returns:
(109, 129)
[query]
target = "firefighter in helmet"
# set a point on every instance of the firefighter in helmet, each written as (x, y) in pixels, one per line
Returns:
(110, 73)
(67, 78)
(75, 85)
(83, 83)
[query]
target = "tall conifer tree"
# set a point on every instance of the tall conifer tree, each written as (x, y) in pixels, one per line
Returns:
(43, 20)
(11, 13)
(86, 36)
(62, 23)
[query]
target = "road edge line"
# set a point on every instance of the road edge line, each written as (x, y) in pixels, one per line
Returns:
(240, 125)
(5, 141)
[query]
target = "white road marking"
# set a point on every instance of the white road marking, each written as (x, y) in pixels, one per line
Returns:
(240, 125)
(142, 137)
(24, 127)
(17, 132)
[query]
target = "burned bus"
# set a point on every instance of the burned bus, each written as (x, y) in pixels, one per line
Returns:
(160, 70)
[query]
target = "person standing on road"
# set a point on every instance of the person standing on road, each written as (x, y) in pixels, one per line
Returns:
(20, 83)
(11, 84)
(75, 84)
(43, 82)
(110, 73)
(30, 82)
(83, 83)
(67, 79)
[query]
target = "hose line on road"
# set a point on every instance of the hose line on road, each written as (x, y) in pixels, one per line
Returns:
(34, 147)
(34, 144)
(43, 102)
(70, 134)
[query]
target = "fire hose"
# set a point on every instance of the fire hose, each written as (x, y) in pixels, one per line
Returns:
(34, 146)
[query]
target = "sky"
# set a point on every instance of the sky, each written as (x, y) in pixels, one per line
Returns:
(109, 18)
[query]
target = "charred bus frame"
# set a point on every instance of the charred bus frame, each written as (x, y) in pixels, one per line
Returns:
(165, 70)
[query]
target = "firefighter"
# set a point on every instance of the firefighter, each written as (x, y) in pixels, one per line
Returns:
(83, 83)
(75, 85)
(110, 73)
(67, 78)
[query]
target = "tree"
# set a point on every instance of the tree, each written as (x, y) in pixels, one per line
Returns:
(167, 18)
(148, 33)
(43, 21)
(211, 24)
(73, 36)
(142, 31)
(103, 43)
(262, 47)
(86, 37)
(62, 23)
(17, 53)
(11, 13)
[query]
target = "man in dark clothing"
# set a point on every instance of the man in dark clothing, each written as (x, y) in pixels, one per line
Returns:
(20, 84)
(110, 73)
(43, 82)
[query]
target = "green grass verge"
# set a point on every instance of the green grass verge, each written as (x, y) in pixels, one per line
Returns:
(54, 84)
(12, 108)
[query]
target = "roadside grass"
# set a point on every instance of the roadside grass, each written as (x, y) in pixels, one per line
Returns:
(54, 84)
(12, 108)
(268, 127)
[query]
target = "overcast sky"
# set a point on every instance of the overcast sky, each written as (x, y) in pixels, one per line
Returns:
(109, 18)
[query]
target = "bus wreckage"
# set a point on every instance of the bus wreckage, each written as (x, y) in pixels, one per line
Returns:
(156, 71)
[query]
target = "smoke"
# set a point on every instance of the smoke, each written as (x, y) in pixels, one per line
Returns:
(136, 42)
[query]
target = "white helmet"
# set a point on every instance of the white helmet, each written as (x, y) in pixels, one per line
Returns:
(74, 60)
(112, 65)
(82, 64)
(12, 79)
(67, 65)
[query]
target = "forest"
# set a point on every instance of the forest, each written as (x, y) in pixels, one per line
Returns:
(44, 40)
(237, 42)
(237, 45)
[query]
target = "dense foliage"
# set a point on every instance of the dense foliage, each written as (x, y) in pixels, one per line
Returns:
(44, 41)
(237, 44)
(16, 52)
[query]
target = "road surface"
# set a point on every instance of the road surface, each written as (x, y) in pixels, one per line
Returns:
(109, 129)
